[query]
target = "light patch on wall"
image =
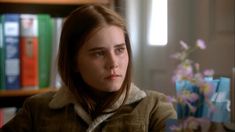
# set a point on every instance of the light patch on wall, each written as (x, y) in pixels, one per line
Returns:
(157, 29)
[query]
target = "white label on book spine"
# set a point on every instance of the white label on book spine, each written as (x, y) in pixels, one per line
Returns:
(29, 25)
(11, 29)
(12, 67)
(11, 47)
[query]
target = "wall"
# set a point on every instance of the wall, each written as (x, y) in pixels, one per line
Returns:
(153, 67)
(188, 20)
(214, 21)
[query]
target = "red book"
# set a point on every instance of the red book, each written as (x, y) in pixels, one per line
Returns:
(29, 52)
(29, 61)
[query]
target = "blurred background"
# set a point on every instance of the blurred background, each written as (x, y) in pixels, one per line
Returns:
(187, 20)
(155, 28)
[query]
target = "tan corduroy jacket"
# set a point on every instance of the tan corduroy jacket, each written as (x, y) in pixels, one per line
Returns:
(144, 111)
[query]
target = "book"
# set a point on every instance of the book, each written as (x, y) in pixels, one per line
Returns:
(45, 49)
(57, 28)
(11, 49)
(1, 117)
(2, 57)
(29, 51)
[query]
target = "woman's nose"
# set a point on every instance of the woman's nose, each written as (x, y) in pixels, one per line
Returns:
(112, 61)
(114, 66)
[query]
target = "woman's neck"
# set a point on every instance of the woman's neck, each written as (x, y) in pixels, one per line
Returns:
(99, 96)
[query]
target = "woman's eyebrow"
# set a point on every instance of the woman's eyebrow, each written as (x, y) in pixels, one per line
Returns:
(96, 49)
(120, 45)
(103, 48)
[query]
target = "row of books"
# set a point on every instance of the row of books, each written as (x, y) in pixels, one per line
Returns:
(28, 49)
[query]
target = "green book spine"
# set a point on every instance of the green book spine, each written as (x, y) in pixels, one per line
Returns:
(2, 56)
(45, 49)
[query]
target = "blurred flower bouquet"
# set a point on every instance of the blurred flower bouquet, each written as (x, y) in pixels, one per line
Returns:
(193, 91)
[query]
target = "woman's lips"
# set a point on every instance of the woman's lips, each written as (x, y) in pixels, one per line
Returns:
(112, 77)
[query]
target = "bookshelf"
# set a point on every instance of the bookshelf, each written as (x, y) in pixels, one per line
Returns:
(15, 98)
(55, 8)
(56, 1)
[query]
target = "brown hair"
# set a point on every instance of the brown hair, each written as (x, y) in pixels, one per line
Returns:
(76, 30)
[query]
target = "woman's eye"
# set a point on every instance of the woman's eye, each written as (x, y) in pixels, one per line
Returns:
(120, 50)
(98, 53)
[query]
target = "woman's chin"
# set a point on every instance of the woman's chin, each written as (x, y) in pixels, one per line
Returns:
(111, 88)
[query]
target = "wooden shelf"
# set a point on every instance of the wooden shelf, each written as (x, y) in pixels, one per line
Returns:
(14, 93)
(55, 1)
(15, 98)
(56, 8)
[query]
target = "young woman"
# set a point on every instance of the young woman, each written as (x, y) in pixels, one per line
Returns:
(94, 63)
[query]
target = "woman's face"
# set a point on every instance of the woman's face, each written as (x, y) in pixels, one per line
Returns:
(103, 59)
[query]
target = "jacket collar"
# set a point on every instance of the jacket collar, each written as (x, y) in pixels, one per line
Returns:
(64, 97)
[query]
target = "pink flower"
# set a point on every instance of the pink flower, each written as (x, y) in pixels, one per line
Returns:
(171, 99)
(176, 56)
(184, 45)
(175, 128)
(193, 97)
(189, 71)
(201, 44)
(209, 72)
(207, 89)
(198, 79)
(183, 71)
(197, 66)
(192, 108)
(188, 97)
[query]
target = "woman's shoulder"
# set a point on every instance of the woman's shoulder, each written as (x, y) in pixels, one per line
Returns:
(40, 99)
(160, 102)
(149, 95)
(155, 94)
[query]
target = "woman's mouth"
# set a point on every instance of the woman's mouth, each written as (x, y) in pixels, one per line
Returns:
(112, 77)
